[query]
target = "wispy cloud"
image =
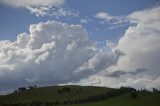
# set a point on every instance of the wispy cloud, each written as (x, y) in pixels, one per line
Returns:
(104, 16)
(113, 21)
(53, 11)
(84, 21)
(52, 8)
(36, 3)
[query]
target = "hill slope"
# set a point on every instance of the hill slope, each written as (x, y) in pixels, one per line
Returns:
(80, 96)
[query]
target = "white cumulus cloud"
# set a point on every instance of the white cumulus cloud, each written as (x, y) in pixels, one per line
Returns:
(138, 65)
(141, 43)
(48, 54)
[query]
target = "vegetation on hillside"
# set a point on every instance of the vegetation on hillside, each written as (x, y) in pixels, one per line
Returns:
(79, 95)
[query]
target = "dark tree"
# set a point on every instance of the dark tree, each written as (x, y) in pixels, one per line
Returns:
(133, 95)
(155, 90)
(22, 89)
(15, 91)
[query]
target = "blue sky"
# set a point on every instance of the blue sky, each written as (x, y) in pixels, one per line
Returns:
(15, 20)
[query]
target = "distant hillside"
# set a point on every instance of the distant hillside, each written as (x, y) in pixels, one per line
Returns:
(80, 96)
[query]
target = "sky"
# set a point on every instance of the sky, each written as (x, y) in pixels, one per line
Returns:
(83, 42)
(21, 17)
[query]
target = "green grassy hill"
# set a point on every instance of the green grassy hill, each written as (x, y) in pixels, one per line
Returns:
(80, 96)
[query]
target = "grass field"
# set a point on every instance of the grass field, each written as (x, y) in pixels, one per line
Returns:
(126, 100)
(79, 96)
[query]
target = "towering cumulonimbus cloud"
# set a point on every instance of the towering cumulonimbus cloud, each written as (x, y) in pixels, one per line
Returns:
(48, 54)
(141, 43)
